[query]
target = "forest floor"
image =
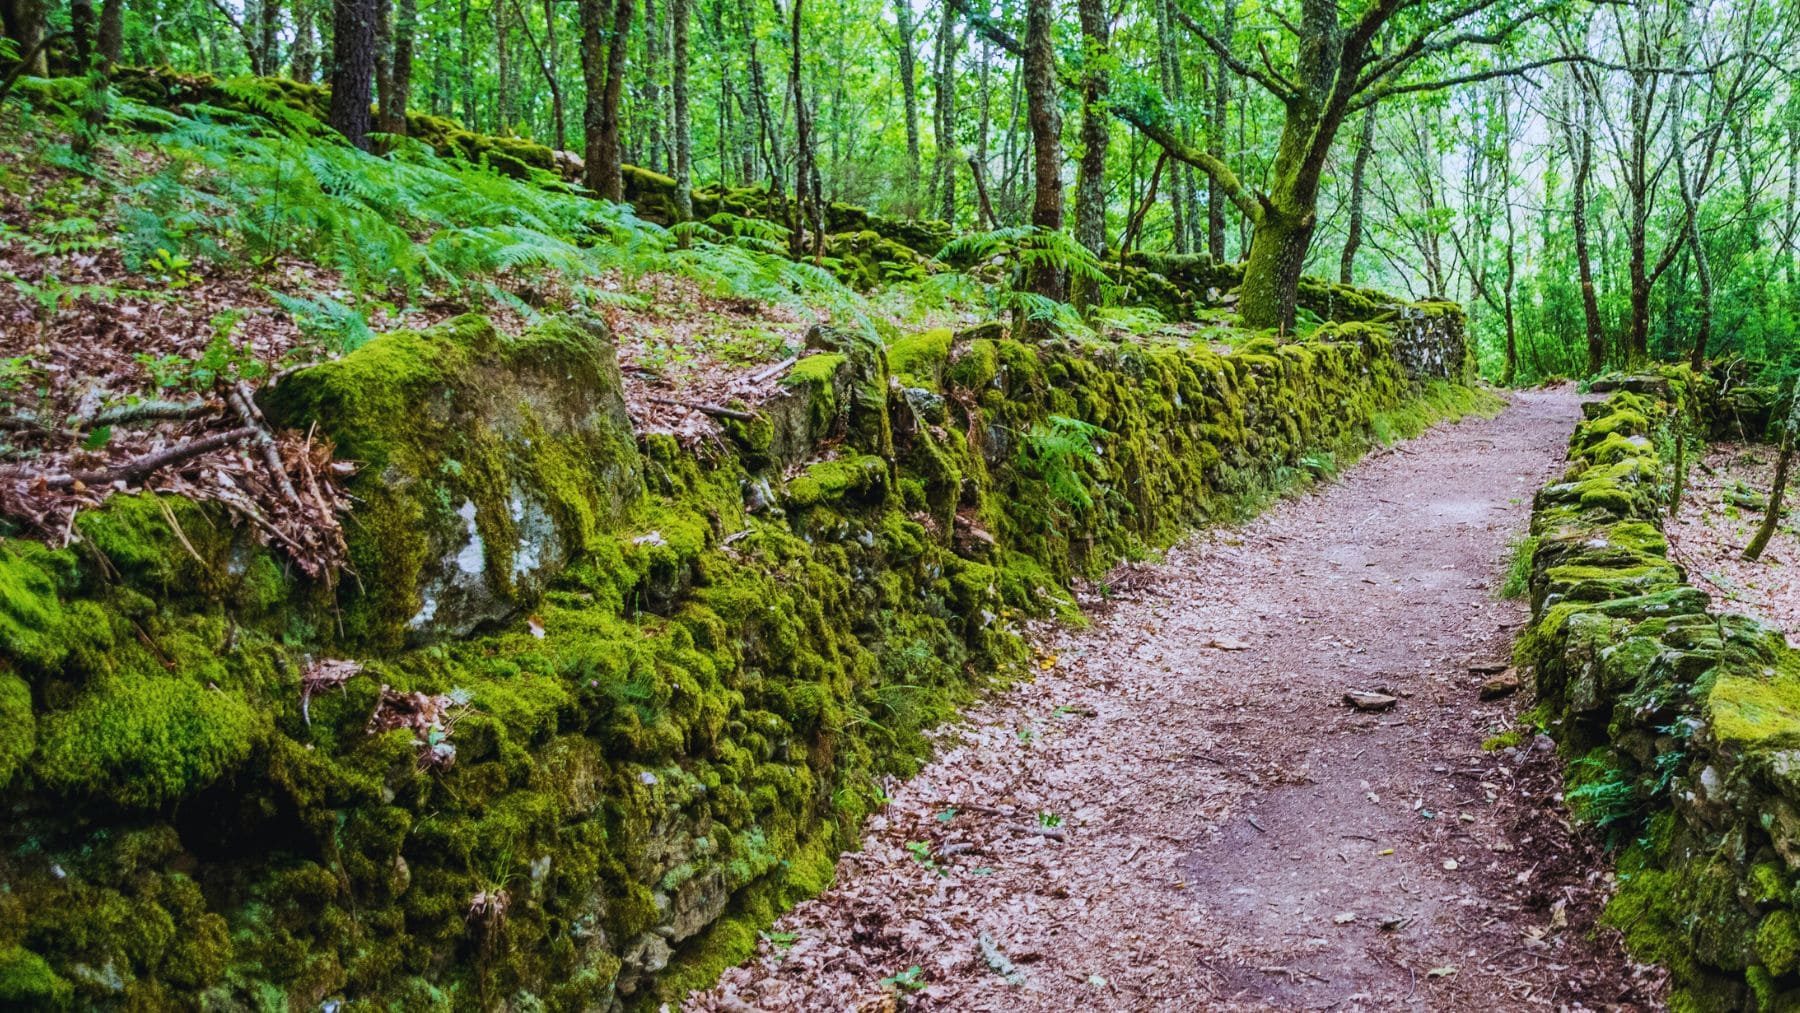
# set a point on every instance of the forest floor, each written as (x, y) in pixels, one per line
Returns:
(1180, 812)
(1727, 492)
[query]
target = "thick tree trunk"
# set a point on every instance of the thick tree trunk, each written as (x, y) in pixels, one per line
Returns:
(1046, 139)
(909, 90)
(1278, 248)
(1353, 231)
(268, 25)
(24, 21)
(83, 26)
(352, 68)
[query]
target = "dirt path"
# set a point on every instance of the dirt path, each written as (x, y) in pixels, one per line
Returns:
(1180, 813)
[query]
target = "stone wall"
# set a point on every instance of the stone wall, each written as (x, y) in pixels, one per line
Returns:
(592, 708)
(1681, 722)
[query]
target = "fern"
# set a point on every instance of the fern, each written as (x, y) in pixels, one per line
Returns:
(1055, 450)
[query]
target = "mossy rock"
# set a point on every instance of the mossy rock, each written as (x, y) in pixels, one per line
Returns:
(486, 464)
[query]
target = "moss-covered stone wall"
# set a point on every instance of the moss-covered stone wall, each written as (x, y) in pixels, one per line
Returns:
(1681, 722)
(592, 708)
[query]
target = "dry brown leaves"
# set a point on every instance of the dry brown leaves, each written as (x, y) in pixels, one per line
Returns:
(1709, 533)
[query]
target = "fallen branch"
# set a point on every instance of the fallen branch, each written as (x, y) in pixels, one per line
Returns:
(238, 397)
(763, 374)
(146, 411)
(137, 467)
(707, 409)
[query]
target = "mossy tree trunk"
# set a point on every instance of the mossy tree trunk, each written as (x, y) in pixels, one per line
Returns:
(684, 132)
(1046, 139)
(1096, 131)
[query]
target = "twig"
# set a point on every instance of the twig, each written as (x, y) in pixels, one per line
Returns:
(707, 409)
(238, 397)
(138, 467)
(763, 374)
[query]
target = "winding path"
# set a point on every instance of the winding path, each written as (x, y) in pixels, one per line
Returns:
(1181, 813)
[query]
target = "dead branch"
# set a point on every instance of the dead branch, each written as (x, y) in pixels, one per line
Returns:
(137, 467)
(238, 397)
(707, 409)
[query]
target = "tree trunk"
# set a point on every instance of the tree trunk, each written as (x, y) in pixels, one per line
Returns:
(503, 82)
(684, 134)
(1046, 139)
(808, 209)
(395, 101)
(83, 25)
(655, 149)
(1166, 57)
(112, 32)
(945, 170)
(553, 60)
(303, 58)
(466, 51)
(1353, 231)
(352, 68)
(604, 155)
(1584, 261)
(24, 21)
(269, 26)
(1096, 131)
(1221, 120)
(909, 90)
(384, 63)
(1772, 514)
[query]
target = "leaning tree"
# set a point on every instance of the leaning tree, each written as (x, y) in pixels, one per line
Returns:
(1339, 61)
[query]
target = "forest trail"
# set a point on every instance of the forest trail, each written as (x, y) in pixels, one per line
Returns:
(1180, 812)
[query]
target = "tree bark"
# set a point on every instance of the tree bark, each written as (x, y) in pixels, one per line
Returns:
(1166, 57)
(303, 58)
(1777, 491)
(1359, 167)
(384, 63)
(466, 51)
(944, 171)
(1221, 125)
(352, 68)
(399, 94)
(269, 29)
(603, 67)
(1046, 139)
(553, 61)
(503, 82)
(83, 25)
(684, 134)
(1096, 131)
(1582, 141)
(655, 150)
(808, 209)
(24, 22)
(909, 90)
(112, 32)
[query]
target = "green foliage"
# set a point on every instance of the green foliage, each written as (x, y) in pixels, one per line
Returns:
(1519, 554)
(1055, 451)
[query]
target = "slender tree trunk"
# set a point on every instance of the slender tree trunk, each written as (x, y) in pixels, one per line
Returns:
(83, 26)
(945, 169)
(384, 63)
(112, 32)
(603, 67)
(1221, 119)
(466, 51)
(1353, 231)
(684, 135)
(807, 207)
(1046, 139)
(1702, 269)
(909, 90)
(1096, 132)
(1583, 143)
(553, 59)
(269, 27)
(303, 57)
(352, 68)
(503, 78)
(1777, 491)
(1166, 57)
(759, 93)
(655, 149)
(395, 103)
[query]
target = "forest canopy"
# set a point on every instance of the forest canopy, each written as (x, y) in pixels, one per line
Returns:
(1598, 183)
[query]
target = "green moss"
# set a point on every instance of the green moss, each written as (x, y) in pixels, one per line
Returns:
(18, 726)
(1755, 711)
(144, 740)
(1778, 942)
(27, 981)
(919, 359)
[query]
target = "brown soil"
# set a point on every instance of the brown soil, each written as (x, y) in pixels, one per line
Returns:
(1180, 813)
